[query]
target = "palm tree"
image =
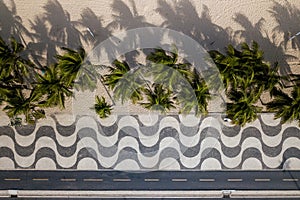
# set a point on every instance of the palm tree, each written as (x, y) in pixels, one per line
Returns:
(125, 83)
(14, 69)
(70, 63)
(186, 99)
(17, 75)
(75, 71)
(18, 104)
(202, 95)
(274, 79)
(236, 66)
(116, 73)
(158, 98)
(195, 97)
(248, 64)
(167, 70)
(242, 108)
(161, 60)
(54, 87)
(129, 87)
(102, 108)
(246, 75)
(19, 78)
(286, 107)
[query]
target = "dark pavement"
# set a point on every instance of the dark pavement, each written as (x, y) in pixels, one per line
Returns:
(155, 180)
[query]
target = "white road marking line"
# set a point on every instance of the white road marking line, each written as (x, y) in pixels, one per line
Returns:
(206, 179)
(93, 179)
(234, 180)
(68, 179)
(262, 179)
(151, 179)
(290, 179)
(179, 179)
(40, 179)
(12, 179)
(121, 179)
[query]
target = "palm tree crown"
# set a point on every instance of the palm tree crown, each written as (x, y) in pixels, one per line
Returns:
(102, 108)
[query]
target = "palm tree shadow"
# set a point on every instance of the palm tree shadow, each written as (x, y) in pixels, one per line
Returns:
(63, 32)
(287, 18)
(10, 23)
(127, 18)
(181, 16)
(94, 32)
(273, 50)
(184, 17)
(63, 29)
(43, 47)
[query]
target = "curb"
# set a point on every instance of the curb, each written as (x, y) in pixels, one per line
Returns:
(150, 194)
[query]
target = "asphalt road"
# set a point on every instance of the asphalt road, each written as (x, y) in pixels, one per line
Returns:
(155, 180)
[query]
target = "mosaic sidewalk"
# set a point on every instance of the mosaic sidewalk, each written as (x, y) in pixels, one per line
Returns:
(150, 143)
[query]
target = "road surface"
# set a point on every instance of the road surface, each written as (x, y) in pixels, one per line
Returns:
(155, 180)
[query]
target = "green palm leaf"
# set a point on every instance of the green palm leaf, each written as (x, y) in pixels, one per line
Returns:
(158, 98)
(54, 87)
(242, 108)
(18, 104)
(69, 64)
(102, 108)
(286, 107)
(117, 71)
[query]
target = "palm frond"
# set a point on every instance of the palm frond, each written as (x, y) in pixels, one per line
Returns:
(102, 108)
(158, 98)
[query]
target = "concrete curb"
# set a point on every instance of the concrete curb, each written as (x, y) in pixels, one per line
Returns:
(110, 194)
(5, 193)
(266, 194)
(150, 194)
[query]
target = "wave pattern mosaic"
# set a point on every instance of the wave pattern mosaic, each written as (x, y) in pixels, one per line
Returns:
(141, 142)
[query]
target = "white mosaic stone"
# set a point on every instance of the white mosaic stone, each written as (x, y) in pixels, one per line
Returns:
(169, 164)
(65, 119)
(127, 165)
(252, 164)
(292, 164)
(189, 120)
(45, 164)
(148, 119)
(6, 163)
(87, 164)
(268, 119)
(211, 164)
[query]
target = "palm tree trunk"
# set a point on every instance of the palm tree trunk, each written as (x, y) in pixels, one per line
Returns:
(107, 91)
(148, 86)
